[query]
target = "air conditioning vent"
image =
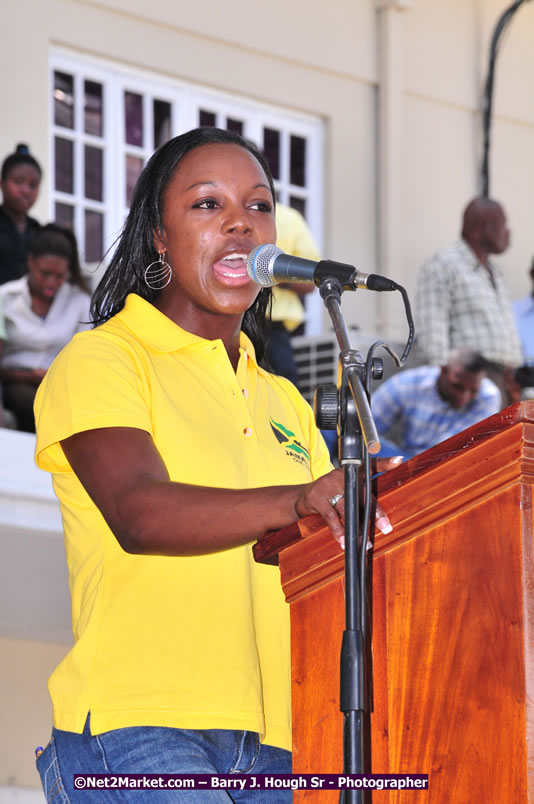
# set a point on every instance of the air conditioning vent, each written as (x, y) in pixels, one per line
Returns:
(316, 358)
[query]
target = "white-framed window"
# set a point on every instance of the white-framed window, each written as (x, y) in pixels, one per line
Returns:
(107, 120)
(80, 157)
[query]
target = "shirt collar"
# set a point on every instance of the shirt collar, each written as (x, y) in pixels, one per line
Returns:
(468, 254)
(156, 330)
(472, 258)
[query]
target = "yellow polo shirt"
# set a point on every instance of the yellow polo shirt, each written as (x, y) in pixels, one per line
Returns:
(196, 642)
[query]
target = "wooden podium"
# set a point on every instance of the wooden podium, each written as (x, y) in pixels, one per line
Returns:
(452, 623)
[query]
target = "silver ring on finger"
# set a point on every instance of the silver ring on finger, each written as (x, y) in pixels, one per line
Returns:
(335, 499)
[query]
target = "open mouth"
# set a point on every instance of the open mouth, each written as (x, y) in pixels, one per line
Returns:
(232, 266)
(236, 262)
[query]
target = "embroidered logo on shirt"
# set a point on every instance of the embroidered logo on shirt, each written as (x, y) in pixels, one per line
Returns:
(294, 449)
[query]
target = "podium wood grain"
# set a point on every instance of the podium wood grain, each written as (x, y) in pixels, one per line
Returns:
(452, 623)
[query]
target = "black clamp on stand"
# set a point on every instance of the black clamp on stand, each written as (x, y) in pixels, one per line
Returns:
(347, 408)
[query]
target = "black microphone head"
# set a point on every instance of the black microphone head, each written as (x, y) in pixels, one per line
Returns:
(260, 264)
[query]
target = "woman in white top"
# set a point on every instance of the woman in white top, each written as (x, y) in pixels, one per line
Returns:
(42, 311)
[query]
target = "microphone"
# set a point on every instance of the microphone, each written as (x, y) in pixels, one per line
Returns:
(268, 265)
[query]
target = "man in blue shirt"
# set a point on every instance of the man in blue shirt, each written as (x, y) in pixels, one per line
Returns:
(524, 316)
(428, 404)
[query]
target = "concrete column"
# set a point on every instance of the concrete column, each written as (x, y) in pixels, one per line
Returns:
(391, 176)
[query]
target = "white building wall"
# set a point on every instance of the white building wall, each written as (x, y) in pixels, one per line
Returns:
(26, 723)
(35, 630)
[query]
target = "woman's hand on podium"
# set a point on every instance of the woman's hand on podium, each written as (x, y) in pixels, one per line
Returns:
(325, 497)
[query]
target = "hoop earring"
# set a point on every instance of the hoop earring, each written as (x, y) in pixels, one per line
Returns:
(158, 274)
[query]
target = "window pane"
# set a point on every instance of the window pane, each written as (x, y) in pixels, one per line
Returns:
(94, 236)
(271, 149)
(93, 108)
(93, 173)
(63, 99)
(134, 166)
(162, 122)
(133, 118)
(234, 125)
(298, 203)
(207, 118)
(64, 178)
(64, 215)
(297, 170)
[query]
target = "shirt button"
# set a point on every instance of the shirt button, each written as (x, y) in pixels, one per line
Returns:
(245, 393)
(247, 431)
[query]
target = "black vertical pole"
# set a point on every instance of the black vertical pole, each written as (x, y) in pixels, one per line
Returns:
(487, 101)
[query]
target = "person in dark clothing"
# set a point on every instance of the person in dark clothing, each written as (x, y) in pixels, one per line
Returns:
(20, 178)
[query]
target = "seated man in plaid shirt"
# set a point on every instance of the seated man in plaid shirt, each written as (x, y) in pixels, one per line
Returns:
(428, 404)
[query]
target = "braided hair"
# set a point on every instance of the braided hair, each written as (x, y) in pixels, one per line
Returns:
(135, 246)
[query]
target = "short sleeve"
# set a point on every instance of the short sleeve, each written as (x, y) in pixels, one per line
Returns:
(96, 381)
(294, 235)
(386, 404)
(305, 245)
(432, 311)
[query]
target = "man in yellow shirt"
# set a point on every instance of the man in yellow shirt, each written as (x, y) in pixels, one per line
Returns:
(293, 237)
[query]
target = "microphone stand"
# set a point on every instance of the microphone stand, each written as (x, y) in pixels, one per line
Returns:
(357, 438)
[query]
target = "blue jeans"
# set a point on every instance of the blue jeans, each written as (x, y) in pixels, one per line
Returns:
(149, 749)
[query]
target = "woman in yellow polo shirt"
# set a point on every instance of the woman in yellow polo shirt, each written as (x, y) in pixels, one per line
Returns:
(171, 452)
